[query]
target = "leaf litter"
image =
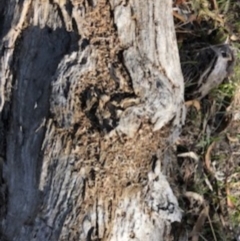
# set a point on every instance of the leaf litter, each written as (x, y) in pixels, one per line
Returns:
(208, 151)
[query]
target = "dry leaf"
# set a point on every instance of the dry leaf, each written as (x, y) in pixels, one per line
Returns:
(179, 16)
(194, 103)
(193, 195)
(208, 158)
(208, 183)
(190, 154)
(232, 139)
(234, 37)
(199, 224)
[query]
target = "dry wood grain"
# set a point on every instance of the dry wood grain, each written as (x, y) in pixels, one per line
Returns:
(91, 95)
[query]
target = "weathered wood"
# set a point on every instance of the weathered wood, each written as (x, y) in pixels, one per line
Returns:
(91, 96)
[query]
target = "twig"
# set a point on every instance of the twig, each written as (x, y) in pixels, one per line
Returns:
(210, 222)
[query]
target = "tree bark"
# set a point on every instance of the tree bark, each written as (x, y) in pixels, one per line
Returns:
(91, 97)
